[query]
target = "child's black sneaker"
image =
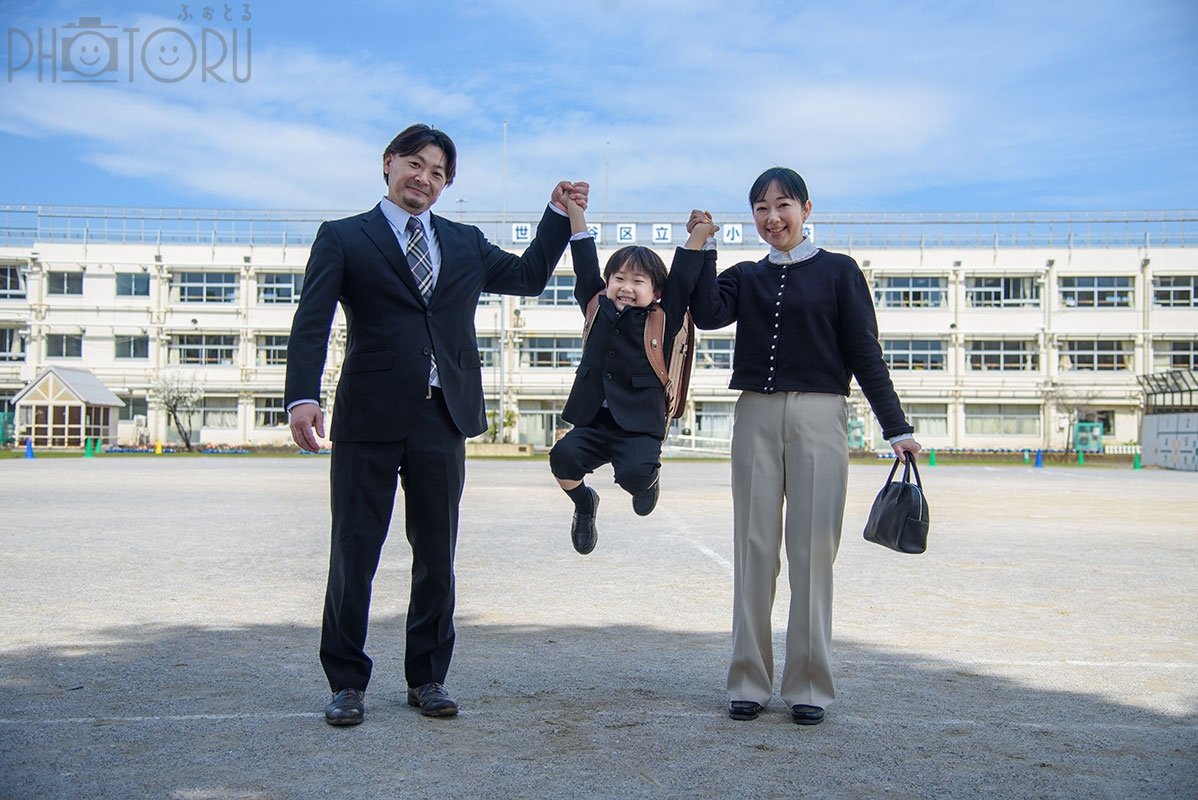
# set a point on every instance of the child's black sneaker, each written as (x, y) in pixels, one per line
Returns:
(644, 501)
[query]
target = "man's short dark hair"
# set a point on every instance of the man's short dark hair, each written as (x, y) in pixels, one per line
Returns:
(635, 258)
(789, 183)
(415, 138)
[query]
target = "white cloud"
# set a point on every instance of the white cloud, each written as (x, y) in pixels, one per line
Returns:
(661, 106)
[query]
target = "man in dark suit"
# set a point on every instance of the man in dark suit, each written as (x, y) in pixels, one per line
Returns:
(409, 394)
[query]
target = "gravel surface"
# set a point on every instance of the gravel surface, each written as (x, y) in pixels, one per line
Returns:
(160, 619)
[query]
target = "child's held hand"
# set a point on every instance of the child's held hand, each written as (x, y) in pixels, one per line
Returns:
(698, 217)
(574, 200)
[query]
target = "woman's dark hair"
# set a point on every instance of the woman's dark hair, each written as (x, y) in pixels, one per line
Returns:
(789, 182)
(635, 258)
(415, 138)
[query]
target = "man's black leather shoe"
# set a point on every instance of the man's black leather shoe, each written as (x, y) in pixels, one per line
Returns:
(432, 700)
(644, 501)
(744, 709)
(346, 708)
(582, 529)
(807, 715)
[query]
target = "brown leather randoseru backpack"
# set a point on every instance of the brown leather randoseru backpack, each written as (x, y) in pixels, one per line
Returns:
(676, 378)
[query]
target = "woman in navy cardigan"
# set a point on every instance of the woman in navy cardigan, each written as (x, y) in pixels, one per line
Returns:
(805, 326)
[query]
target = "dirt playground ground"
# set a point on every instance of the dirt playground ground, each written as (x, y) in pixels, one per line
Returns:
(160, 618)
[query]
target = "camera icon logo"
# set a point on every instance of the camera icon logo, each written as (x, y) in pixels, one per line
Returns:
(89, 49)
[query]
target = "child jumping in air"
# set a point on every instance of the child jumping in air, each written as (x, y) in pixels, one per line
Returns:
(617, 403)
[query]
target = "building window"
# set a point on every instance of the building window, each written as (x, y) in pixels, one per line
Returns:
(714, 352)
(1002, 419)
(1107, 418)
(202, 348)
(489, 299)
(1108, 291)
(488, 351)
(713, 419)
(910, 292)
(928, 418)
(269, 412)
(132, 346)
(1175, 354)
(558, 292)
(132, 284)
(12, 345)
(908, 354)
(11, 285)
(279, 287)
(272, 351)
(134, 407)
(985, 291)
(217, 412)
(204, 287)
(1168, 290)
(551, 351)
(1096, 355)
(64, 345)
(1004, 355)
(64, 282)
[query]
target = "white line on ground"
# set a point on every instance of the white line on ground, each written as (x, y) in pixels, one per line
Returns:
(997, 663)
(702, 548)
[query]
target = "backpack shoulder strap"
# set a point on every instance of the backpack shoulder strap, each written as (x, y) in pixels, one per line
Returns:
(655, 332)
(590, 311)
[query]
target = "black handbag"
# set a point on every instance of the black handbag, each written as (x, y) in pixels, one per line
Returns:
(899, 517)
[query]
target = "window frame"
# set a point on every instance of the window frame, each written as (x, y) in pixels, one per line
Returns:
(138, 280)
(917, 292)
(64, 283)
(143, 339)
(273, 290)
(1004, 294)
(207, 343)
(1175, 289)
(559, 291)
(1097, 291)
(193, 287)
(64, 339)
(1099, 350)
(1005, 419)
(889, 353)
(269, 351)
(1025, 357)
(562, 355)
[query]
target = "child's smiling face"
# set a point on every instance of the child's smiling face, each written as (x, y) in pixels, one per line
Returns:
(626, 287)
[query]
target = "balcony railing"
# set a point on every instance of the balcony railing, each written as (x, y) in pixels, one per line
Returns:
(25, 225)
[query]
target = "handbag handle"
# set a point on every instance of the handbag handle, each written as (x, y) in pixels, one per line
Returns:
(908, 467)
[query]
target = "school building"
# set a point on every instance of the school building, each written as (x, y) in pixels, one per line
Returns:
(1002, 330)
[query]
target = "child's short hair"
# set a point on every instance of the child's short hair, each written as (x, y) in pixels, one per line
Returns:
(635, 258)
(789, 183)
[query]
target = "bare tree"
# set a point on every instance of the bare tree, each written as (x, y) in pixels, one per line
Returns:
(178, 394)
(1070, 401)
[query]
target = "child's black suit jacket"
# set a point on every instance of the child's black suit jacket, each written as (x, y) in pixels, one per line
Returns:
(614, 365)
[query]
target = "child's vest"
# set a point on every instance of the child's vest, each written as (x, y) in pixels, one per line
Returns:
(676, 378)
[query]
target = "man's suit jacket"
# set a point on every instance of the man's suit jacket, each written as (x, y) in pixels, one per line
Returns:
(614, 364)
(392, 333)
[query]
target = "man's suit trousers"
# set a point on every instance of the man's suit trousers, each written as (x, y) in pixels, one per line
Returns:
(431, 463)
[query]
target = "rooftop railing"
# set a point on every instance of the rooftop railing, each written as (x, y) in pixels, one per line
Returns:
(25, 225)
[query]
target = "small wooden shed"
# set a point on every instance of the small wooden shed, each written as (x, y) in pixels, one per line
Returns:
(64, 407)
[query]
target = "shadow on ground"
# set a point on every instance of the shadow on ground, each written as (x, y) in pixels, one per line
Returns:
(617, 711)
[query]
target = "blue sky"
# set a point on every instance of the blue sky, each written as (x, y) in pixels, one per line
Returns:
(662, 106)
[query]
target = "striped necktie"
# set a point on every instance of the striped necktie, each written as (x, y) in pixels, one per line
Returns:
(422, 269)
